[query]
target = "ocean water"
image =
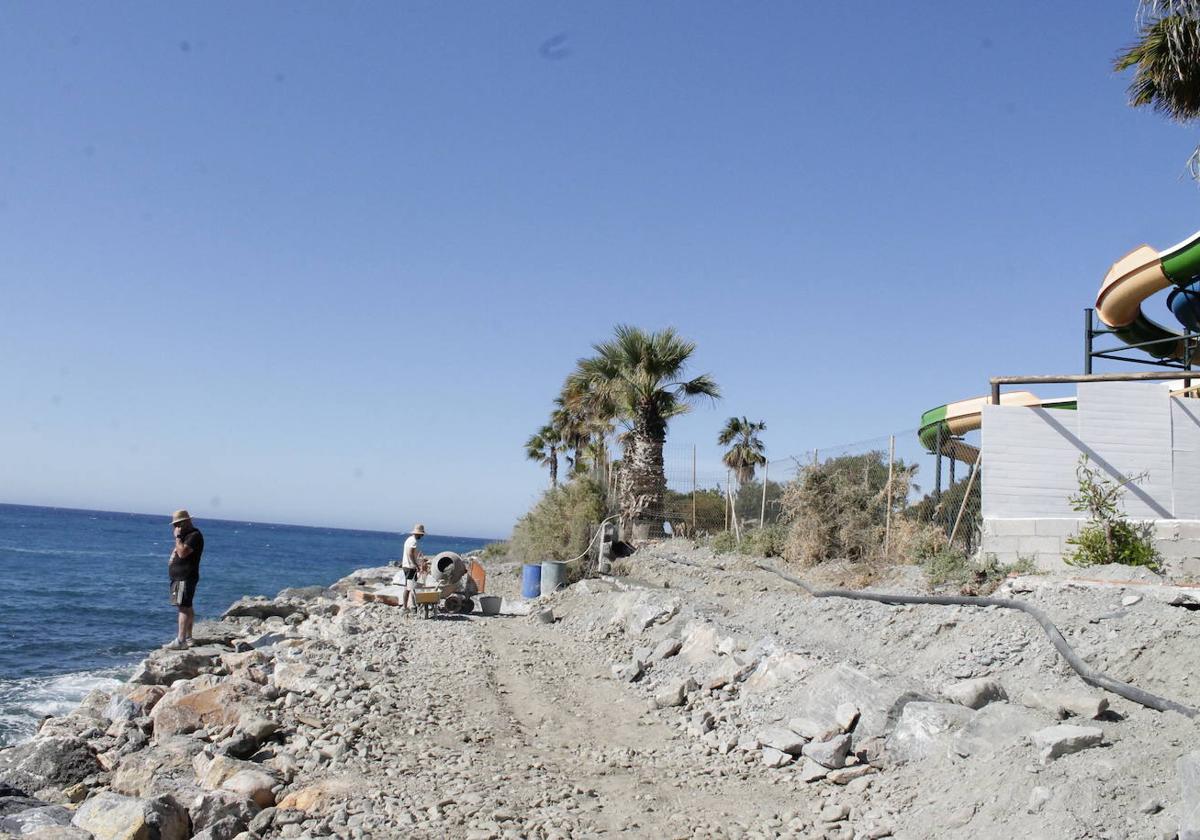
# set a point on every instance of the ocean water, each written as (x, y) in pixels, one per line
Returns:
(83, 594)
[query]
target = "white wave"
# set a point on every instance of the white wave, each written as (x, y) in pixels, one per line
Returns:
(26, 701)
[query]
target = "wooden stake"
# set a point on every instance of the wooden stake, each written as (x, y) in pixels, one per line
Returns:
(966, 495)
(762, 513)
(693, 489)
(887, 528)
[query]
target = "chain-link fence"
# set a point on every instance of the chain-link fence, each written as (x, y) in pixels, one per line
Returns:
(887, 497)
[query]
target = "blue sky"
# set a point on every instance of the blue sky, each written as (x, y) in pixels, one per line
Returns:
(328, 263)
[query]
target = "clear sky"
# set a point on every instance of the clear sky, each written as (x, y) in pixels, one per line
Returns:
(328, 263)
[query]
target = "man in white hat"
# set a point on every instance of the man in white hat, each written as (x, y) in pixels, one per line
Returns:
(410, 562)
(184, 570)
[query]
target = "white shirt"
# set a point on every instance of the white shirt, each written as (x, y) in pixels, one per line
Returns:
(408, 560)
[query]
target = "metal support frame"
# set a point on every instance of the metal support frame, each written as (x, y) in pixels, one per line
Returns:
(996, 382)
(1090, 332)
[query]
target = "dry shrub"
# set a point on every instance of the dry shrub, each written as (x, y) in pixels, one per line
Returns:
(913, 541)
(838, 508)
(561, 524)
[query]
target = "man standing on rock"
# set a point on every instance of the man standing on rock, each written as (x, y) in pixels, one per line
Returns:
(184, 571)
(410, 562)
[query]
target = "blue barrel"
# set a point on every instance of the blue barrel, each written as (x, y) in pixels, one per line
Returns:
(531, 580)
(554, 575)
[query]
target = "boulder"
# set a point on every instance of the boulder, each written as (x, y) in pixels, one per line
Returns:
(227, 828)
(812, 772)
(993, 728)
(261, 608)
(253, 784)
(846, 775)
(164, 667)
(782, 739)
(674, 694)
(776, 758)
(923, 727)
(13, 800)
(47, 762)
(133, 700)
(296, 677)
(975, 694)
(162, 768)
(93, 705)
(665, 650)
(831, 753)
(202, 704)
(1187, 771)
(1062, 704)
(28, 821)
(636, 611)
(628, 672)
(322, 796)
(59, 832)
(213, 806)
(880, 698)
(110, 816)
(813, 730)
(776, 668)
(846, 715)
(1064, 739)
(699, 642)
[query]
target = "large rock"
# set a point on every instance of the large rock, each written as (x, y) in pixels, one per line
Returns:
(13, 800)
(296, 677)
(782, 739)
(1056, 741)
(133, 700)
(110, 816)
(229, 828)
(47, 762)
(635, 611)
(321, 797)
(923, 727)
(1062, 704)
(775, 669)
(879, 698)
(1187, 771)
(254, 784)
(26, 822)
(993, 728)
(831, 753)
(59, 832)
(164, 667)
(213, 806)
(260, 608)
(202, 704)
(162, 768)
(975, 694)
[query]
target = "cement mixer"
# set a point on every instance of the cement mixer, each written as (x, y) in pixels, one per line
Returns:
(457, 580)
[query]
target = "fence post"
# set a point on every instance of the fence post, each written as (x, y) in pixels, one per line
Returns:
(693, 490)
(966, 495)
(728, 499)
(762, 513)
(887, 527)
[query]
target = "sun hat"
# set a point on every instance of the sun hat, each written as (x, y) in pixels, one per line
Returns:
(180, 516)
(418, 529)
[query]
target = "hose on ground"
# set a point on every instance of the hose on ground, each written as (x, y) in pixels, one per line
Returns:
(1129, 692)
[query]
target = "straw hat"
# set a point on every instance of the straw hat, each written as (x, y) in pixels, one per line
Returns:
(418, 529)
(180, 516)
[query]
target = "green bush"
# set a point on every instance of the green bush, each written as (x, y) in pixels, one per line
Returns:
(494, 550)
(1108, 537)
(723, 542)
(560, 525)
(767, 541)
(950, 567)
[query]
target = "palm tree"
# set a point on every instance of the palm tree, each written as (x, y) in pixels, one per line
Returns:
(637, 378)
(543, 446)
(1166, 62)
(747, 451)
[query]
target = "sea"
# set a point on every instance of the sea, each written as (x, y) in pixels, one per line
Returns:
(84, 593)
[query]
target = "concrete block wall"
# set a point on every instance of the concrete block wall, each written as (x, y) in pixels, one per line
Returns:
(1044, 541)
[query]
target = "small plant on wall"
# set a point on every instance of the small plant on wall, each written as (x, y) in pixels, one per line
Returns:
(1108, 537)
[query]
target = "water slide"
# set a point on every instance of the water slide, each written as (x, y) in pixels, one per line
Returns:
(1144, 272)
(1141, 273)
(955, 419)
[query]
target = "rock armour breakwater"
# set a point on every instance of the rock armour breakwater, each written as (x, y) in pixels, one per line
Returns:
(706, 700)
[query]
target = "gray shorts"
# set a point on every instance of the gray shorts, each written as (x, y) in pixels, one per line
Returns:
(182, 593)
(410, 579)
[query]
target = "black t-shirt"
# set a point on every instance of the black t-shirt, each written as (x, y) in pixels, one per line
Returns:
(187, 568)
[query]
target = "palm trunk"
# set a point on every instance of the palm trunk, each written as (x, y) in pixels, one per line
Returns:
(553, 467)
(643, 481)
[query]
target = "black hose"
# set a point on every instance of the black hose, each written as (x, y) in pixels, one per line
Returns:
(1129, 692)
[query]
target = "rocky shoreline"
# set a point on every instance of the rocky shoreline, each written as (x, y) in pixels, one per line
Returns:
(698, 697)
